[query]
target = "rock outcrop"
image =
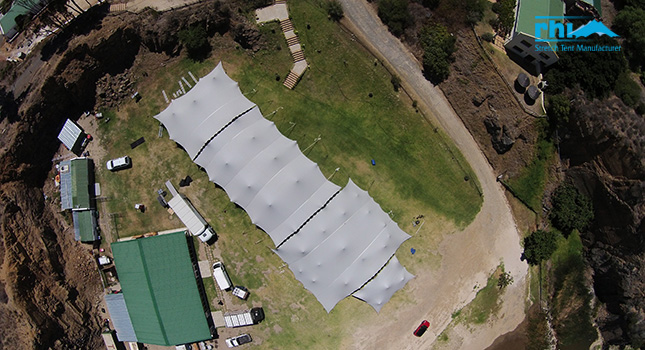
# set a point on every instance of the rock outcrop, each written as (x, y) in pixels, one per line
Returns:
(606, 152)
(50, 288)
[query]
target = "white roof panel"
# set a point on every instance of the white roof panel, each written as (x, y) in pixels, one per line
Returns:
(336, 259)
(379, 290)
(193, 118)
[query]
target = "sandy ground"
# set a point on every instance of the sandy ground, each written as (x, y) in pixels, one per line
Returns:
(469, 256)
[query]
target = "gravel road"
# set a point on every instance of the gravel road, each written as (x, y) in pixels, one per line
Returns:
(468, 256)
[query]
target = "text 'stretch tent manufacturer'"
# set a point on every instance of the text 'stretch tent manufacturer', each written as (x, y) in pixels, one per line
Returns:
(334, 240)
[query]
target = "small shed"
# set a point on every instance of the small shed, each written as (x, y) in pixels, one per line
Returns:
(533, 92)
(72, 136)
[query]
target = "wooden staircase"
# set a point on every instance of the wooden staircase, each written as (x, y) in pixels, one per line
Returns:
(291, 81)
(286, 25)
(298, 56)
(293, 41)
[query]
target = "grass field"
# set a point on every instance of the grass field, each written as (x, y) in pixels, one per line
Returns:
(485, 304)
(417, 171)
(572, 313)
(529, 185)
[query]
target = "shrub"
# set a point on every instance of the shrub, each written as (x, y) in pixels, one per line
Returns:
(488, 37)
(630, 24)
(558, 111)
(571, 209)
(438, 45)
(395, 15)
(475, 10)
(195, 40)
(505, 10)
(595, 74)
(335, 10)
(628, 90)
(396, 82)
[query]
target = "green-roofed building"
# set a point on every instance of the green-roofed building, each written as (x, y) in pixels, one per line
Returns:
(77, 194)
(534, 56)
(544, 19)
(85, 225)
(82, 183)
(164, 300)
(8, 24)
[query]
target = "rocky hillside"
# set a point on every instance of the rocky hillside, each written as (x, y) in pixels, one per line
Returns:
(49, 286)
(606, 153)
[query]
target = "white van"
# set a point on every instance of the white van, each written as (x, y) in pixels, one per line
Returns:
(221, 277)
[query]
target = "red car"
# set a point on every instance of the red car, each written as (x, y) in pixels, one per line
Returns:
(423, 327)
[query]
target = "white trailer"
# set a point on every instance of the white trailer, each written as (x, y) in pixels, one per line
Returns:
(187, 213)
(244, 318)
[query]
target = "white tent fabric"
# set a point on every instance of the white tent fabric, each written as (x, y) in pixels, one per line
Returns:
(192, 119)
(343, 246)
(379, 290)
(266, 174)
(333, 240)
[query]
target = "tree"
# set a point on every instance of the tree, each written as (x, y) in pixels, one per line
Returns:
(195, 40)
(505, 10)
(475, 9)
(571, 209)
(395, 15)
(539, 246)
(335, 10)
(630, 23)
(595, 73)
(558, 111)
(438, 46)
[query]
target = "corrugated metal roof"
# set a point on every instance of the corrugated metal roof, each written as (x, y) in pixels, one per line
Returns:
(81, 183)
(65, 170)
(528, 9)
(85, 225)
(120, 317)
(160, 289)
(70, 134)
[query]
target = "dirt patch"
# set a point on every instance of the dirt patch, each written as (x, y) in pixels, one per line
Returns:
(481, 98)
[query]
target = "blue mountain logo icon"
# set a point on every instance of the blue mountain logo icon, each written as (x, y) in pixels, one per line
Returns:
(593, 27)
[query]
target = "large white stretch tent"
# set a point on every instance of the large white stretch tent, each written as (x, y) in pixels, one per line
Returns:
(334, 241)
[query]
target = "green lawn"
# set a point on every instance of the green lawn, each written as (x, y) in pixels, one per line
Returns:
(529, 185)
(572, 313)
(417, 170)
(485, 304)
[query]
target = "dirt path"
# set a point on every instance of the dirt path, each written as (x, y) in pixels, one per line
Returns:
(469, 256)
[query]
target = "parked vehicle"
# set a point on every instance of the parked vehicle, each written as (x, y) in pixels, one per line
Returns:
(221, 277)
(195, 223)
(239, 340)
(423, 327)
(119, 163)
(244, 318)
(241, 292)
